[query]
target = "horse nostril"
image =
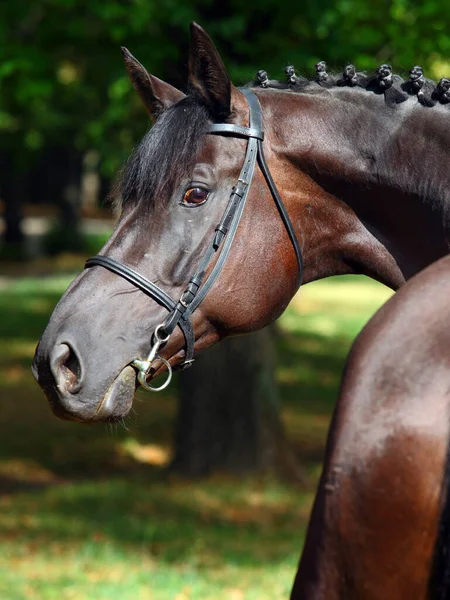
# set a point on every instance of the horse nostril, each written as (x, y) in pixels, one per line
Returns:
(66, 368)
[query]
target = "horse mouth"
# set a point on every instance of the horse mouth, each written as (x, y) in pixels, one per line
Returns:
(118, 400)
(86, 405)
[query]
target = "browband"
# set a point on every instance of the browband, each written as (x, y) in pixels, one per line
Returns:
(248, 132)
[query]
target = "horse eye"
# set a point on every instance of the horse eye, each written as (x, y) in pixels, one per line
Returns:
(195, 196)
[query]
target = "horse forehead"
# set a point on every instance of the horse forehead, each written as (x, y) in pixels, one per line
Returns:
(220, 153)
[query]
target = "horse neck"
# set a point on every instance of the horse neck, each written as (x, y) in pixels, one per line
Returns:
(371, 195)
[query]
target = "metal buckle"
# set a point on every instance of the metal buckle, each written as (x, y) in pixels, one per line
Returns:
(182, 301)
(187, 364)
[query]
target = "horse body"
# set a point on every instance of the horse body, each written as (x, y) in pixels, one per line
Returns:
(366, 187)
(374, 530)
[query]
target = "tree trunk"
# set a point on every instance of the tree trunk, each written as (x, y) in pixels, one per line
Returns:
(70, 199)
(13, 219)
(62, 170)
(12, 192)
(228, 418)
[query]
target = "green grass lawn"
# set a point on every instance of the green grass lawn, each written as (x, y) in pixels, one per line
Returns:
(89, 512)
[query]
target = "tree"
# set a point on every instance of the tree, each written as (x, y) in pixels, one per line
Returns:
(66, 85)
(13, 217)
(229, 412)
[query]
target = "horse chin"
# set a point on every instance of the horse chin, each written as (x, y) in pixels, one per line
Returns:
(118, 400)
(114, 406)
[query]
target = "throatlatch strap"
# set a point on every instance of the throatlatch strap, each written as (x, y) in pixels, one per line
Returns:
(283, 212)
(236, 205)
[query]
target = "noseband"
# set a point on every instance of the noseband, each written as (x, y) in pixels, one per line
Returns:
(180, 311)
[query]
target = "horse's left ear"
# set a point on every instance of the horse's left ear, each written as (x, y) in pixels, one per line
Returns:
(208, 76)
(157, 95)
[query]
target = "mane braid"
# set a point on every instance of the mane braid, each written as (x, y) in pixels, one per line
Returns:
(165, 156)
(383, 82)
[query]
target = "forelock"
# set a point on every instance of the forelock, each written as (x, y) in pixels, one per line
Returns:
(164, 157)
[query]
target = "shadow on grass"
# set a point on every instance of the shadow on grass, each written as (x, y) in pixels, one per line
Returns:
(63, 482)
(73, 493)
(168, 520)
(30, 431)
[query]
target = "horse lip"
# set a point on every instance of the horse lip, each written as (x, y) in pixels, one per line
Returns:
(34, 369)
(118, 399)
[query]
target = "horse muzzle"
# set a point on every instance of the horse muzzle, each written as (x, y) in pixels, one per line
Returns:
(63, 378)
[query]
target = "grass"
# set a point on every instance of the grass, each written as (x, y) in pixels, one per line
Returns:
(91, 513)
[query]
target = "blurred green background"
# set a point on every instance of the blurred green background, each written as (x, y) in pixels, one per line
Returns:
(93, 512)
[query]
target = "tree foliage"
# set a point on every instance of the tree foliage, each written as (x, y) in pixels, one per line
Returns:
(62, 80)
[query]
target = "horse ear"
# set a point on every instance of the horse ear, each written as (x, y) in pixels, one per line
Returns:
(156, 95)
(207, 74)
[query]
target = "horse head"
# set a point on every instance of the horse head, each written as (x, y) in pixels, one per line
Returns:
(186, 265)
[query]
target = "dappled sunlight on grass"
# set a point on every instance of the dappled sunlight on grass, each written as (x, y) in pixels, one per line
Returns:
(151, 454)
(333, 307)
(166, 519)
(342, 294)
(18, 349)
(317, 331)
(26, 470)
(91, 511)
(171, 529)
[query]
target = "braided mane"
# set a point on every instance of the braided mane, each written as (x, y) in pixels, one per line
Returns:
(394, 88)
(169, 149)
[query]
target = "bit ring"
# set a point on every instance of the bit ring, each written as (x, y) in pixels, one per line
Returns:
(142, 376)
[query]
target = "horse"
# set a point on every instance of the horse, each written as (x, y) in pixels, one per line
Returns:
(334, 179)
(380, 525)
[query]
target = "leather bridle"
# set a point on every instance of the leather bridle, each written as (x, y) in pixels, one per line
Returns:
(180, 311)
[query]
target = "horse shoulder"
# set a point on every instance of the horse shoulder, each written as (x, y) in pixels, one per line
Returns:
(376, 514)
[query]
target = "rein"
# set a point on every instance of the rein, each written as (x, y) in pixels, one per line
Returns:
(196, 290)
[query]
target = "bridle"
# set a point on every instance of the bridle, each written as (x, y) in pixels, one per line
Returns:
(180, 311)
(196, 290)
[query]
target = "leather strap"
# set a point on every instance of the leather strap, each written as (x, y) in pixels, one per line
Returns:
(248, 132)
(283, 212)
(237, 201)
